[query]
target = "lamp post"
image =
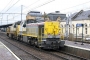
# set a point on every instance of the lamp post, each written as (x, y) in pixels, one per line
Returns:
(82, 34)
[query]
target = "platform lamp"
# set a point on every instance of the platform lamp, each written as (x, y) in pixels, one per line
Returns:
(76, 35)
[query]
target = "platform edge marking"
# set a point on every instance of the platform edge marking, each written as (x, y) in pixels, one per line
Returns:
(78, 47)
(11, 51)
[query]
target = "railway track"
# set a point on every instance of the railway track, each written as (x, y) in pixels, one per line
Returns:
(46, 54)
(78, 57)
(68, 55)
(61, 54)
(35, 52)
(28, 54)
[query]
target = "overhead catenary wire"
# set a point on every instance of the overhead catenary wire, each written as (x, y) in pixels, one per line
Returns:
(12, 20)
(16, 9)
(29, 5)
(12, 5)
(42, 5)
(32, 3)
(15, 16)
(73, 11)
(7, 4)
(75, 6)
(39, 5)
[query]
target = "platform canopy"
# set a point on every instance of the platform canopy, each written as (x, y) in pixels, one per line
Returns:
(4, 26)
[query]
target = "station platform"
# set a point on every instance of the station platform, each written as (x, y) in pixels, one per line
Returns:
(6, 53)
(78, 45)
(77, 49)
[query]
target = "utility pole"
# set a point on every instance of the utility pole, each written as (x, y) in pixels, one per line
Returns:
(21, 12)
(21, 17)
(7, 19)
(13, 16)
(70, 22)
(67, 24)
(1, 21)
(70, 28)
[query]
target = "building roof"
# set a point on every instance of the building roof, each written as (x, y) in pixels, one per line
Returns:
(55, 15)
(81, 15)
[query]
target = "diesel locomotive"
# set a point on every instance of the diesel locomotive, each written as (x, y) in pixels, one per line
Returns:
(38, 32)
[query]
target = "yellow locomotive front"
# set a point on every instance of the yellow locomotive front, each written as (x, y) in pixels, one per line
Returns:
(52, 29)
(52, 35)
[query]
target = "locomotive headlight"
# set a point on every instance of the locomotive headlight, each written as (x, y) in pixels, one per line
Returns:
(49, 35)
(58, 36)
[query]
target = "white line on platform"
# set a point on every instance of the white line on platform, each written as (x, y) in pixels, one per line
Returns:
(78, 47)
(10, 51)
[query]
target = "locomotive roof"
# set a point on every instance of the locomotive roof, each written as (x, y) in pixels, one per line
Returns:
(35, 13)
(36, 23)
(18, 23)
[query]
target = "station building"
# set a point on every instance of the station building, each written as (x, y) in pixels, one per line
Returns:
(81, 17)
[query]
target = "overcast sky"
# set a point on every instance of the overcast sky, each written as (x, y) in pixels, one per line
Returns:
(64, 6)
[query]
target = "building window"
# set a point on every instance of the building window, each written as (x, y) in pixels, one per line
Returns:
(69, 28)
(86, 28)
(78, 30)
(62, 28)
(89, 25)
(73, 30)
(73, 27)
